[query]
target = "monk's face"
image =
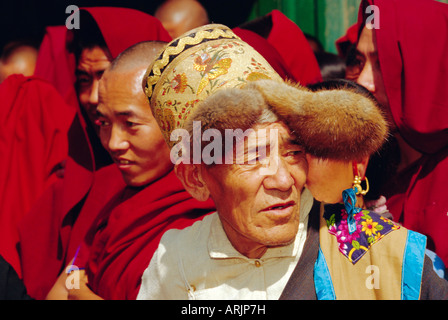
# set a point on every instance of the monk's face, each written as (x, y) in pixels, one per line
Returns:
(257, 207)
(128, 129)
(90, 68)
(365, 70)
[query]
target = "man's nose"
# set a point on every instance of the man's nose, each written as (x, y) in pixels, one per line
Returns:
(93, 98)
(118, 140)
(366, 78)
(279, 177)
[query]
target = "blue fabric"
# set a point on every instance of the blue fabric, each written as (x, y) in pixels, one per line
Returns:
(412, 270)
(322, 279)
(349, 197)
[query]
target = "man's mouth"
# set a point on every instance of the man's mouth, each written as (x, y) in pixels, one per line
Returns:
(280, 206)
(123, 162)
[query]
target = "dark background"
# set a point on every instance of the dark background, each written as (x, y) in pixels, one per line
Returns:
(27, 19)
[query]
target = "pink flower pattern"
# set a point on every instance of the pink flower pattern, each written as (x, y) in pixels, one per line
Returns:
(355, 245)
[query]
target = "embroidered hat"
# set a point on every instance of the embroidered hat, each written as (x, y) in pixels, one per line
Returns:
(195, 65)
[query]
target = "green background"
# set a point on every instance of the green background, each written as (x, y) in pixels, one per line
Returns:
(325, 19)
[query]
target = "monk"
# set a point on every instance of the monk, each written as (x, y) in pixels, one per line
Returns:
(392, 62)
(180, 16)
(35, 120)
(153, 198)
(66, 210)
(18, 58)
(291, 44)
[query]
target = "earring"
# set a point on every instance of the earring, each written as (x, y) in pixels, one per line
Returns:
(357, 186)
(357, 182)
(349, 198)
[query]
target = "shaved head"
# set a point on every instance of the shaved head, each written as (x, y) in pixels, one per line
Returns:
(18, 59)
(128, 130)
(138, 56)
(180, 16)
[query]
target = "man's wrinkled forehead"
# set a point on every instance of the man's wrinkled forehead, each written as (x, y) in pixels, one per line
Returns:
(266, 134)
(92, 61)
(269, 138)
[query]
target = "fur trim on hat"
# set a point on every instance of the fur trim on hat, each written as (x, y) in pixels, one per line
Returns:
(228, 109)
(338, 124)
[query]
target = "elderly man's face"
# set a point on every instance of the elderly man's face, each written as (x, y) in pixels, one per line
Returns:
(128, 130)
(260, 208)
(90, 68)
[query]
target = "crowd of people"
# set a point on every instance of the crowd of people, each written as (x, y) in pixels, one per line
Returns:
(118, 181)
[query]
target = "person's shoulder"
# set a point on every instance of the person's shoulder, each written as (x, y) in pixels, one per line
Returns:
(195, 232)
(363, 232)
(183, 244)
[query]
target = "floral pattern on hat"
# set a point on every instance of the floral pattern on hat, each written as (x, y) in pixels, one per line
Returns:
(195, 66)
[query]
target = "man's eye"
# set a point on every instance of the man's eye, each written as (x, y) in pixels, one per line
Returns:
(83, 80)
(294, 153)
(131, 124)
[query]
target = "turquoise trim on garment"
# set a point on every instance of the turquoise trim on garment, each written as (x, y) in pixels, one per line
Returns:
(322, 279)
(412, 270)
(349, 197)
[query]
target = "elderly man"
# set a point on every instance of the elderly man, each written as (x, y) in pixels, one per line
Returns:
(266, 224)
(250, 247)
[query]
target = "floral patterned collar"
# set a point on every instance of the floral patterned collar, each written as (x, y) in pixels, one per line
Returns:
(370, 228)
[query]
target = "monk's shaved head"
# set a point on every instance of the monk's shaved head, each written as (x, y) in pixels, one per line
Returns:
(138, 56)
(128, 130)
(179, 16)
(18, 58)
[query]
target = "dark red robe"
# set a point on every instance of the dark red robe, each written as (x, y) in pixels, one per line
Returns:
(54, 228)
(33, 138)
(412, 46)
(120, 244)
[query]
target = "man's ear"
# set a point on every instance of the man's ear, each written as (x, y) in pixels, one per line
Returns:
(191, 178)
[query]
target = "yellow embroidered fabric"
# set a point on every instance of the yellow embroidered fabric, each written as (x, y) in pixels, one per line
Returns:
(194, 66)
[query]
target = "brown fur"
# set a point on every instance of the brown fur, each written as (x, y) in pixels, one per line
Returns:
(337, 124)
(228, 109)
